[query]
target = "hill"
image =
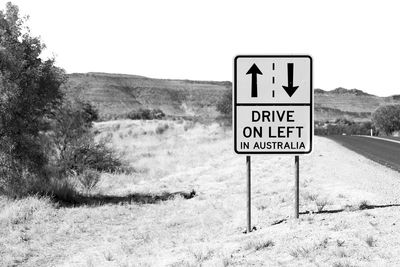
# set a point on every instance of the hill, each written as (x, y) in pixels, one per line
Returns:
(117, 94)
(348, 103)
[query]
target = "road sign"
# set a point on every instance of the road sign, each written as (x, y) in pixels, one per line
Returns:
(273, 104)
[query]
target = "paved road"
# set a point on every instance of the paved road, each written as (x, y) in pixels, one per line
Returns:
(384, 152)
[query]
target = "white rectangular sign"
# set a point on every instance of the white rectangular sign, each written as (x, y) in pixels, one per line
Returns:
(273, 104)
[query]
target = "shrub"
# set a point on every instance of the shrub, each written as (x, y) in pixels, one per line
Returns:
(340, 243)
(387, 118)
(264, 244)
(371, 241)
(72, 143)
(258, 244)
(84, 153)
(89, 179)
(363, 205)
(146, 114)
(299, 252)
(344, 126)
(63, 190)
(15, 180)
(224, 105)
(311, 196)
(321, 203)
(188, 125)
(161, 128)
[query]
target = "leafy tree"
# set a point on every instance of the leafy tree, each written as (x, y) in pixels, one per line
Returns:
(29, 90)
(44, 136)
(387, 118)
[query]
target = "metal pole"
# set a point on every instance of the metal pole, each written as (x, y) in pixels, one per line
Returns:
(296, 187)
(248, 163)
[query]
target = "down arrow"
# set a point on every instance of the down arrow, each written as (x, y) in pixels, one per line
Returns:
(290, 89)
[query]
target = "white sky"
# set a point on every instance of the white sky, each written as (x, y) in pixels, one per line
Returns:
(354, 44)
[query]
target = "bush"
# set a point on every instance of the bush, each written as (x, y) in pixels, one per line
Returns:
(146, 114)
(15, 180)
(387, 118)
(161, 128)
(188, 125)
(72, 142)
(89, 179)
(63, 190)
(371, 241)
(224, 105)
(344, 126)
(84, 153)
(321, 203)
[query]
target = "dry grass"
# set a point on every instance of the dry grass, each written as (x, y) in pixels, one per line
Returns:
(207, 229)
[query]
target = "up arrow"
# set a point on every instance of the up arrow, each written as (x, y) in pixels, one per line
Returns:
(290, 89)
(254, 70)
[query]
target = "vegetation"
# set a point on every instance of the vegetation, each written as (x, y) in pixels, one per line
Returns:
(89, 179)
(161, 128)
(337, 113)
(224, 105)
(29, 90)
(44, 136)
(371, 241)
(145, 204)
(72, 141)
(387, 118)
(146, 114)
(344, 126)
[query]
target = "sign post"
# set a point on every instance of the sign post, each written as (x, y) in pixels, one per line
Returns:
(273, 109)
(296, 186)
(248, 163)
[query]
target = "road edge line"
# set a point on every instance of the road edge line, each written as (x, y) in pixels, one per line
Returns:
(375, 137)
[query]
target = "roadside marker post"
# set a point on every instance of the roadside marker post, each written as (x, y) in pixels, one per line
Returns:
(273, 110)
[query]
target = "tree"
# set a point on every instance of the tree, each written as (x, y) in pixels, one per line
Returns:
(29, 90)
(44, 136)
(387, 118)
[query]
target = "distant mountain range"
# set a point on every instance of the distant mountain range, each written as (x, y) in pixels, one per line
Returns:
(348, 103)
(117, 94)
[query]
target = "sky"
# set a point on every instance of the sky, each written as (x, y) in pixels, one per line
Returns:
(354, 44)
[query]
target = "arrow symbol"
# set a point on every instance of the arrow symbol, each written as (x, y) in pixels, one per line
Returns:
(254, 70)
(290, 89)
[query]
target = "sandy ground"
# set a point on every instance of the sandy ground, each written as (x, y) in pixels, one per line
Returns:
(334, 229)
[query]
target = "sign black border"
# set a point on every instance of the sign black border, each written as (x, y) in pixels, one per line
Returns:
(235, 104)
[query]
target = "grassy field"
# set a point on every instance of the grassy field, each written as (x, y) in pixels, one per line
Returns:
(349, 207)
